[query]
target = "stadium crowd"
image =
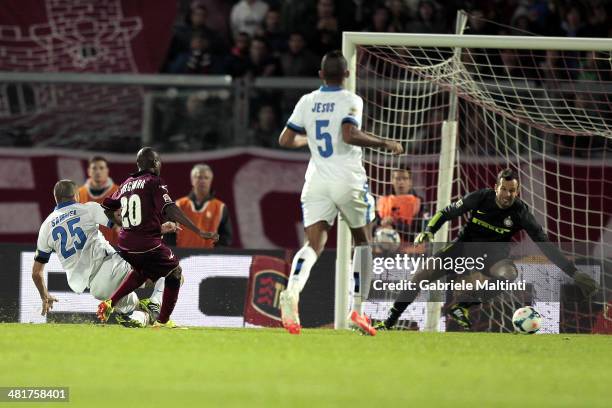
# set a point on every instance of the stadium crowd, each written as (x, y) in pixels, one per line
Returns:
(250, 39)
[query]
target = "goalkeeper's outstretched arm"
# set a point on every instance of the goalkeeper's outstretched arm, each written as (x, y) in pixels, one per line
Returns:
(535, 231)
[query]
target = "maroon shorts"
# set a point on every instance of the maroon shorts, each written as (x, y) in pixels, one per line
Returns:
(154, 264)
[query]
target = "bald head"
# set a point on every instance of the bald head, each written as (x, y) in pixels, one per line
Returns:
(64, 190)
(333, 68)
(148, 159)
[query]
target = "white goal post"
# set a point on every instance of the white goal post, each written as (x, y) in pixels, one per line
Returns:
(447, 164)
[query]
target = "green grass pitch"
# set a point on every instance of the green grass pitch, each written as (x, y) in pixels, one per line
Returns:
(109, 366)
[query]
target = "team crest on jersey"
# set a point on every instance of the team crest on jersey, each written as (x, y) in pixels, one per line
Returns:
(508, 222)
(459, 203)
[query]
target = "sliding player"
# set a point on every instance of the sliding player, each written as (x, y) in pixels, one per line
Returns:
(71, 230)
(144, 202)
(496, 215)
(328, 122)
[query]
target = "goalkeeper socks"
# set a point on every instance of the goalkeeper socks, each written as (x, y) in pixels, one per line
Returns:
(133, 281)
(158, 291)
(302, 263)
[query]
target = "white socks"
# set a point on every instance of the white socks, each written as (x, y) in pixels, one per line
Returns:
(302, 263)
(362, 274)
(158, 291)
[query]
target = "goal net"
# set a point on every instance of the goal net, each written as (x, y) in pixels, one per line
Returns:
(541, 106)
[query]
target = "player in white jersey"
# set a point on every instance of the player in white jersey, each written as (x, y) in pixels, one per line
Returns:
(328, 121)
(89, 261)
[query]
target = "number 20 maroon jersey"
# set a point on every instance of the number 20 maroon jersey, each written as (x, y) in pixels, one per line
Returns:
(141, 198)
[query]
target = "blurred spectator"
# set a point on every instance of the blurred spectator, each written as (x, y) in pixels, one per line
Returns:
(598, 21)
(554, 68)
(272, 32)
(195, 21)
(427, 19)
(205, 210)
(261, 63)
(200, 59)
(478, 25)
(511, 66)
(380, 20)
(98, 186)
(327, 32)
(402, 209)
(190, 124)
(267, 128)
(399, 16)
(298, 60)
(217, 17)
(247, 15)
(572, 25)
(239, 55)
(295, 15)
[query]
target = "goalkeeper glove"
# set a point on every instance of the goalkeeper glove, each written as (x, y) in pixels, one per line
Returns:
(424, 236)
(587, 285)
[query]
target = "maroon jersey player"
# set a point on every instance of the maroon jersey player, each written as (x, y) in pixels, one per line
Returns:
(145, 203)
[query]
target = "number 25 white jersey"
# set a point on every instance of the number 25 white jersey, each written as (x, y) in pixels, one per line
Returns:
(320, 115)
(71, 231)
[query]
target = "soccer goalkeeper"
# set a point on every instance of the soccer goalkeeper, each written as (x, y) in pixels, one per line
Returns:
(496, 215)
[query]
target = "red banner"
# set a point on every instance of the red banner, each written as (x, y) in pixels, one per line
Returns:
(260, 187)
(267, 279)
(75, 36)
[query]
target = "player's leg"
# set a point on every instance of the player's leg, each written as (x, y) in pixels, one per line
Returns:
(495, 270)
(162, 263)
(357, 207)
(406, 298)
(172, 286)
(114, 285)
(319, 213)
(303, 261)
(361, 272)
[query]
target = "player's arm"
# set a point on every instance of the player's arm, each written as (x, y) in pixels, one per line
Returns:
(293, 135)
(111, 205)
(38, 277)
(467, 203)
(587, 285)
(353, 136)
(173, 213)
(291, 139)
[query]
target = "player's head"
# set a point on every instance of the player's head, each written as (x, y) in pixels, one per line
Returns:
(201, 179)
(401, 179)
(65, 190)
(506, 188)
(98, 170)
(333, 68)
(148, 159)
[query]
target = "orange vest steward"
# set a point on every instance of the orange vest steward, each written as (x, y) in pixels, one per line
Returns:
(207, 218)
(111, 234)
(404, 207)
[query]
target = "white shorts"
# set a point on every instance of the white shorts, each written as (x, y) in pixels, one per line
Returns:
(112, 272)
(321, 201)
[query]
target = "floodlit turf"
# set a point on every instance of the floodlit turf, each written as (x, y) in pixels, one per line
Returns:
(109, 366)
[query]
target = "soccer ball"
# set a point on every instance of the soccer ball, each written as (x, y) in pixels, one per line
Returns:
(526, 320)
(388, 239)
